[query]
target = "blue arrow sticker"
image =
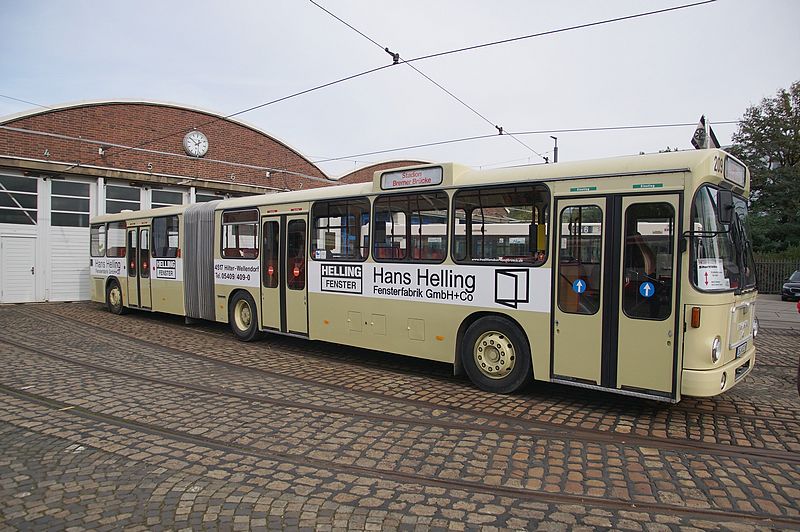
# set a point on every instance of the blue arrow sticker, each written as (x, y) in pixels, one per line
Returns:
(579, 286)
(647, 289)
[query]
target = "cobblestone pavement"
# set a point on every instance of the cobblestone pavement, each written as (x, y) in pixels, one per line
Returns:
(139, 421)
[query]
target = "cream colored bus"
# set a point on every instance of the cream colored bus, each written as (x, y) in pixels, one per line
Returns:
(632, 275)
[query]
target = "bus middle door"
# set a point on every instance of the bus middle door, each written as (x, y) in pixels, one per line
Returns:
(284, 300)
(138, 257)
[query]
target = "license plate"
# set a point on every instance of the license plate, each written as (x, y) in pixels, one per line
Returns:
(741, 349)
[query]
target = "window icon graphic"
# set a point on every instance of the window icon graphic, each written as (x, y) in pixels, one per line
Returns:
(511, 287)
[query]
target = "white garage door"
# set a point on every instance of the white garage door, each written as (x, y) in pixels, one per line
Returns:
(69, 241)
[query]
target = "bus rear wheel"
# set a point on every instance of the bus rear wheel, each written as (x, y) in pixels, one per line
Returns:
(243, 317)
(114, 298)
(496, 356)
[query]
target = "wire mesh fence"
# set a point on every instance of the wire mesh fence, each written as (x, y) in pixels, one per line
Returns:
(772, 273)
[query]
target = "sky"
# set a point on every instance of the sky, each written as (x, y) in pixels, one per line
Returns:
(715, 59)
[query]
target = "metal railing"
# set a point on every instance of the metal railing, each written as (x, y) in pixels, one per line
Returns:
(771, 274)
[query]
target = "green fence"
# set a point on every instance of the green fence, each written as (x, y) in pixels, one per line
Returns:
(772, 273)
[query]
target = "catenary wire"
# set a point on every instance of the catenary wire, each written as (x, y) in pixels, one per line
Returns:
(521, 133)
(421, 73)
(559, 30)
(415, 59)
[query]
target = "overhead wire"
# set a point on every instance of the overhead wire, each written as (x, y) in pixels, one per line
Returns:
(415, 59)
(397, 59)
(559, 30)
(520, 133)
(23, 101)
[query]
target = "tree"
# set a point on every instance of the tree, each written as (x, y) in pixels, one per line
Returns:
(768, 141)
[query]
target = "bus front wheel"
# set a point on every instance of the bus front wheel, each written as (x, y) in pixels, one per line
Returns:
(114, 298)
(243, 317)
(495, 355)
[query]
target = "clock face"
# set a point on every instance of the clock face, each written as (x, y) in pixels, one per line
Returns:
(195, 144)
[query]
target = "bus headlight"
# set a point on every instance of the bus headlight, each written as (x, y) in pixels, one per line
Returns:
(716, 350)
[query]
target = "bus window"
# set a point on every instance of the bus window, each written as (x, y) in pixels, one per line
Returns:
(647, 259)
(144, 253)
(165, 237)
(501, 224)
(411, 227)
(240, 234)
(580, 260)
(340, 229)
(132, 245)
(97, 241)
(115, 246)
(296, 255)
(271, 249)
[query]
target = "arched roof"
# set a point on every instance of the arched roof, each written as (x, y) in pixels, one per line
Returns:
(147, 135)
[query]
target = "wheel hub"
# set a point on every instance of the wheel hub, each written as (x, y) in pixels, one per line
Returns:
(494, 354)
(244, 316)
(115, 296)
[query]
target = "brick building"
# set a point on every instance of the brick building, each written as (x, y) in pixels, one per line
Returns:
(59, 166)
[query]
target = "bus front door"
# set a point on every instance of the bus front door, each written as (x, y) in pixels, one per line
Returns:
(648, 327)
(138, 257)
(284, 302)
(614, 308)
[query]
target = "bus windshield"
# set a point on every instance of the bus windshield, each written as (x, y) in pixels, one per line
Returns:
(722, 256)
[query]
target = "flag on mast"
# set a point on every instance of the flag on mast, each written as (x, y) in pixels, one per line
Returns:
(704, 136)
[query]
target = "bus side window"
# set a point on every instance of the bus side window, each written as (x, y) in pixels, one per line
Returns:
(165, 237)
(501, 224)
(97, 241)
(340, 229)
(115, 239)
(411, 227)
(240, 234)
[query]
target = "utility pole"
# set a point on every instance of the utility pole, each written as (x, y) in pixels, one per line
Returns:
(555, 149)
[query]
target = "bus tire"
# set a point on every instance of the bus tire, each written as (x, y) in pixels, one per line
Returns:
(496, 356)
(114, 301)
(243, 317)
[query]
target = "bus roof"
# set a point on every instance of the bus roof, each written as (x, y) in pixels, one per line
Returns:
(459, 175)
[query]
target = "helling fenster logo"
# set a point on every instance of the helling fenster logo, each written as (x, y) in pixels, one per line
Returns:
(511, 287)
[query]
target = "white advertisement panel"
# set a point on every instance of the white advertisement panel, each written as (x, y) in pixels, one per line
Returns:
(239, 272)
(167, 269)
(105, 266)
(479, 286)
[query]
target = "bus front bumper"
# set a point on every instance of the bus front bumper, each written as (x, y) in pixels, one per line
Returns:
(709, 382)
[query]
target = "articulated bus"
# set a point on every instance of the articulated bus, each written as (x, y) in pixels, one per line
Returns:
(632, 275)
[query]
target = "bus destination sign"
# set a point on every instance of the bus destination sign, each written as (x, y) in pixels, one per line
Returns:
(418, 177)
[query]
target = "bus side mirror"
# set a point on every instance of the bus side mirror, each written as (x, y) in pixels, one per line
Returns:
(725, 206)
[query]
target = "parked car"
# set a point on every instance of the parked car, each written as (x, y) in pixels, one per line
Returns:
(791, 287)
